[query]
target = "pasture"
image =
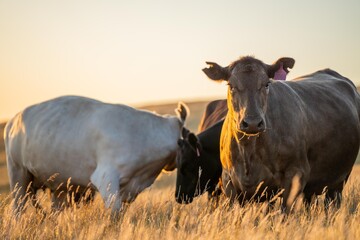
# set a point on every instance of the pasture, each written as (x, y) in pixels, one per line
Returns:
(156, 215)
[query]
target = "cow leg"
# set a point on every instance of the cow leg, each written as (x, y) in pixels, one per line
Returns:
(334, 194)
(229, 189)
(21, 187)
(106, 179)
(332, 197)
(308, 200)
(214, 197)
(311, 202)
(59, 199)
(85, 196)
(294, 184)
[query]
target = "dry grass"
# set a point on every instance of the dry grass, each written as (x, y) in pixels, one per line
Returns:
(155, 215)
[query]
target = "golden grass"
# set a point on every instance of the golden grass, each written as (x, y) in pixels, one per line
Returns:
(156, 215)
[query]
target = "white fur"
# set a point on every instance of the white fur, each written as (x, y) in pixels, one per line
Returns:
(118, 149)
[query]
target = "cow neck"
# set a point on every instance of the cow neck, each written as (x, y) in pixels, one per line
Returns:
(241, 147)
(246, 147)
(210, 154)
(210, 138)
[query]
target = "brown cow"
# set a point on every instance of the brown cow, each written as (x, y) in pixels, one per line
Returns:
(215, 110)
(300, 136)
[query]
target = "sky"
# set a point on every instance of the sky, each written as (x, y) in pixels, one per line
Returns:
(143, 52)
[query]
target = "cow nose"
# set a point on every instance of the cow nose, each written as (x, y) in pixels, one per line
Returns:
(252, 125)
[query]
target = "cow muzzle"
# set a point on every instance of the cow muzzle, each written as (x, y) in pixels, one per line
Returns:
(252, 126)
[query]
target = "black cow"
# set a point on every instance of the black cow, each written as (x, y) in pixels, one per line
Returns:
(198, 157)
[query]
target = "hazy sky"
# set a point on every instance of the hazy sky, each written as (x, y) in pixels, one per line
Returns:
(138, 52)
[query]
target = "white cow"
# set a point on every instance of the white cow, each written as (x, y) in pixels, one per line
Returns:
(115, 148)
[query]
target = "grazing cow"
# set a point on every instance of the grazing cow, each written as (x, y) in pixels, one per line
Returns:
(116, 148)
(300, 136)
(198, 157)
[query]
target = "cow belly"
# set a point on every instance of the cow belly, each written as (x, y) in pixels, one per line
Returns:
(52, 178)
(334, 179)
(54, 175)
(331, 161)
(54, 164)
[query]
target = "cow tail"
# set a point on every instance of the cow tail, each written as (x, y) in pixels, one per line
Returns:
(182, 112)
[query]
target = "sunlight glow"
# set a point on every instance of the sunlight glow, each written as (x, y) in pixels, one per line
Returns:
(136, 52)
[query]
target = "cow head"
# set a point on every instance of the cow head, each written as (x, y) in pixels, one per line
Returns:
(249, 82)
(188, 165)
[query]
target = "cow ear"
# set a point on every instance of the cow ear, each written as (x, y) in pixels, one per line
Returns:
(192, 139)
(216, 72)
(279, 69)
(184, 133)
(194, 143)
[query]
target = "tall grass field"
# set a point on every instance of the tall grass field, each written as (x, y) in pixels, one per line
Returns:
(156, 215)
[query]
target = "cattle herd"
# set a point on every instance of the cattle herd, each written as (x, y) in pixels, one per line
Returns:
(269, 137)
